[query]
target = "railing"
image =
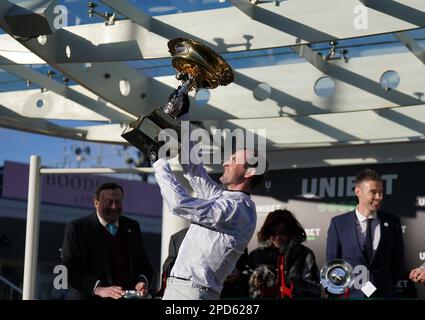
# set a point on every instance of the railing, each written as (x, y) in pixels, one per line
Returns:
(7, 290)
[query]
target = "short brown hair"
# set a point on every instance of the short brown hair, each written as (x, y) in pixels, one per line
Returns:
(257, 179)
(366, 175)
(280, 222)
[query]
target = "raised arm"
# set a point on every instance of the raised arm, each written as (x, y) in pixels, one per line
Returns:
(194, 171)
(219, 213)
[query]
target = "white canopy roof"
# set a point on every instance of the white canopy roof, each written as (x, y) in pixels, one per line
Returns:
(366, 89)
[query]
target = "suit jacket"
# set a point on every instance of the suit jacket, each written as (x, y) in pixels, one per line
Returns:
(387, 265)
(86, 258)
(173, 248)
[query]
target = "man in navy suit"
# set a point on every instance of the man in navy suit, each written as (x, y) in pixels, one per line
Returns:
(370, 237)
(104, 251)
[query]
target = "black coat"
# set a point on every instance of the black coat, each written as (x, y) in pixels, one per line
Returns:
(173, 248)
(236, 289)
(86, 258)
(300, 266)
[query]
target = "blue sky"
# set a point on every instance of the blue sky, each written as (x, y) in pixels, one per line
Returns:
(57, 152)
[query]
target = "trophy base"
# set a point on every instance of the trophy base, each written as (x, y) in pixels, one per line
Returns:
(143, 133)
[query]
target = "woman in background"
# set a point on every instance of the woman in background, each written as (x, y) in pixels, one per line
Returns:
(282, 235)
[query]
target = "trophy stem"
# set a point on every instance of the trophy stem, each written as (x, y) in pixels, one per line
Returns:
(174, 106)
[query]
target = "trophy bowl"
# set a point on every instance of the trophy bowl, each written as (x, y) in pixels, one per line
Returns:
(336, 276)
(197, 67)
(195, 59)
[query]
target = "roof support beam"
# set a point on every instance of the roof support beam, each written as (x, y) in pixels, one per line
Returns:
(82, 102)
(300, 31)
(11, 120)
(336, 71)
(227, 29)
(403, 124)
(46, 104)
(405, 11)
(17, 53)
(116, 82)
(412, 45)
(151, 24)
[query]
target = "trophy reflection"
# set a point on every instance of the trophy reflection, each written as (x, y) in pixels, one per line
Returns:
(336, 277)
(197, 67)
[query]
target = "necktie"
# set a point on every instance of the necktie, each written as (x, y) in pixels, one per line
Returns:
(368, 245)
(112, 228)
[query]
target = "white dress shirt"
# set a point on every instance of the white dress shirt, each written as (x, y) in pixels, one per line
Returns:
(103, 222)
(361, 226)
(223, 222)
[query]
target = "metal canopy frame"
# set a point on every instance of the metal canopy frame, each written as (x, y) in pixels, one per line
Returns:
(98, 57)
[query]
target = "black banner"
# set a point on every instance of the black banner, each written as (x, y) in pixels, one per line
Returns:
(315, 195)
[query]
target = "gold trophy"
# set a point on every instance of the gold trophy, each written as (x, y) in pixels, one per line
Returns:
(197, 67)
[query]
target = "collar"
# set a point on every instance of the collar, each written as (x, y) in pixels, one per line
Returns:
(362, 218)
(103, 222)
(247, 193)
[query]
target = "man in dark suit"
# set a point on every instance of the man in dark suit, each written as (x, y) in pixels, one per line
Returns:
(369, 237)
(173, 248)
(104, 251)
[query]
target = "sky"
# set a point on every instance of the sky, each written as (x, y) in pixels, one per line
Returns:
(58, 152)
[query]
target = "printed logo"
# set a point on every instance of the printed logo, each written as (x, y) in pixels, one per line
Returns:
(266, 208)
(337, 187)
(420, 201)
(312, 233)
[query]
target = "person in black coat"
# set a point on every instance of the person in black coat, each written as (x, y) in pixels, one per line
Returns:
(104, 252)
(282, 235)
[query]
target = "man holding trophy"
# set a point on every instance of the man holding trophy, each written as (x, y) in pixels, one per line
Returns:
(222, 221)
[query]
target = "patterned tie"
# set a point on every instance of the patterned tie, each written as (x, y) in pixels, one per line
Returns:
(112, 228)
(368, 245)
